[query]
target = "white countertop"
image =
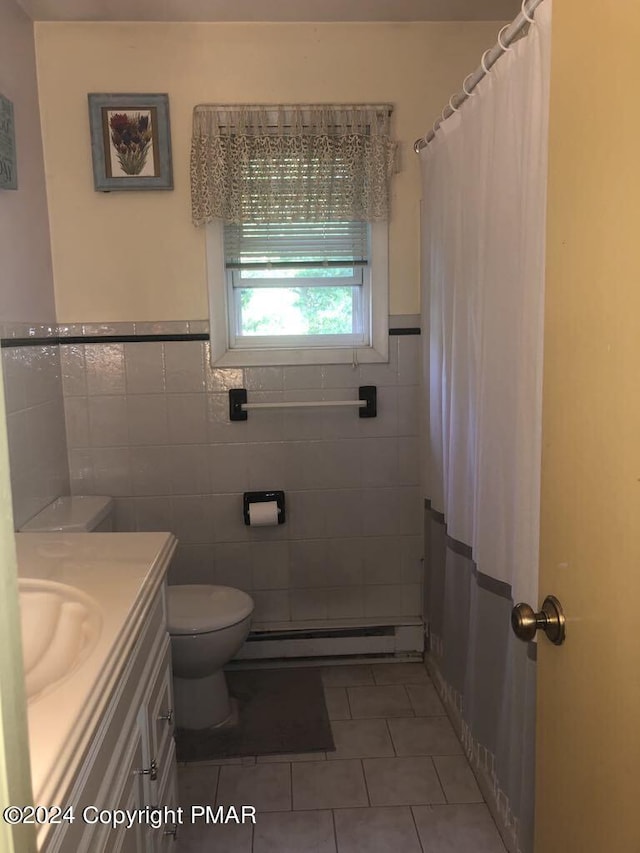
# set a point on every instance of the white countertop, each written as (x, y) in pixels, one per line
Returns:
(122, 572)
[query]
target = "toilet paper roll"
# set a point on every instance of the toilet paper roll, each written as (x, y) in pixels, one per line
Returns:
(263, 514)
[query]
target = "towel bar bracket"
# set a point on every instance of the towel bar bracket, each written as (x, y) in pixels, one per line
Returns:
(237, 396)
(368, 393)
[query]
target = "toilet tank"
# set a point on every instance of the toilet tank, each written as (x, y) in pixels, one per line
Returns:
(73, 514)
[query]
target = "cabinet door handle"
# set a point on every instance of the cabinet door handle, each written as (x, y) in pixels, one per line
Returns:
(151, 771)
(168, 717)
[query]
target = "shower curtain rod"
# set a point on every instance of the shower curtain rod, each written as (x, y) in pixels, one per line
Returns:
(511, 32)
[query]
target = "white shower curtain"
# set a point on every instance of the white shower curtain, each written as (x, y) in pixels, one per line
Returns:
(483, 241)
(484, 182)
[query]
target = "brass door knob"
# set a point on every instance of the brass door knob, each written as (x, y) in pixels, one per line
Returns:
(525, 621)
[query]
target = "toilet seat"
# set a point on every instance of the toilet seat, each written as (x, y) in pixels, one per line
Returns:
(202, 608)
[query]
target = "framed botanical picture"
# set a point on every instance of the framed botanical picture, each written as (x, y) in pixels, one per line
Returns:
(130, 142)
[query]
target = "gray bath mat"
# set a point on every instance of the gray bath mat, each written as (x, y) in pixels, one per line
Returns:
(279, 711)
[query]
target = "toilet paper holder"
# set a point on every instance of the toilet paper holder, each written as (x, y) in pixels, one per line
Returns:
(259, 497)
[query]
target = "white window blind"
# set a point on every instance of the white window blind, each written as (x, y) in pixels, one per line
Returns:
(269, 245)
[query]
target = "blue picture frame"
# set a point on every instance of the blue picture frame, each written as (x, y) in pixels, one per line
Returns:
(130, 142)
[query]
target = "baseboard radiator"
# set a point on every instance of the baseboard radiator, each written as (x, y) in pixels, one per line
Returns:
(328, 641)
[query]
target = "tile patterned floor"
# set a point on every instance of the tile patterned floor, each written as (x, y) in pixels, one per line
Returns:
(398, 780)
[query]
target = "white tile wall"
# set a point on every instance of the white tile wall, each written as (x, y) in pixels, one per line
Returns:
(36, 428)
(145, 368)
(149, 424)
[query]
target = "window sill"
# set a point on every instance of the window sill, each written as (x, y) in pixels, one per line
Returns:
(298, 356)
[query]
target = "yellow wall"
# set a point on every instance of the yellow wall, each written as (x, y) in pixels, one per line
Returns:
(589, 689)
(136, 256)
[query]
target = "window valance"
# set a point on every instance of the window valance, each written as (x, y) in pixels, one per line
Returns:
(301, 163)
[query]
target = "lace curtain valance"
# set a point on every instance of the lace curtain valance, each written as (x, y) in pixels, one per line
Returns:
(291, 163)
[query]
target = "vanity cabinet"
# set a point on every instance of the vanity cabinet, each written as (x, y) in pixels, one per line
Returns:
(129, 762)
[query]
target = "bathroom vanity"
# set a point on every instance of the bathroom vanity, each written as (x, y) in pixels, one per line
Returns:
(101, 731)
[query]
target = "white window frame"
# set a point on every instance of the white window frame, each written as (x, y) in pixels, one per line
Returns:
(297, 350)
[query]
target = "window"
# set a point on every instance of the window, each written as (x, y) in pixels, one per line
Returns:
(298, 293)
(295, 200)
(297, 283)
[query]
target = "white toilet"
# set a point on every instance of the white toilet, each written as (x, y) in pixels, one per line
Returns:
(73, 514)
(208, 625)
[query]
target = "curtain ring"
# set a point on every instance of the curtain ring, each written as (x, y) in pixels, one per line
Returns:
(524, 12)
(436, 125)
(505, 47)
(451, 107)
(464, 88)
(482, 62)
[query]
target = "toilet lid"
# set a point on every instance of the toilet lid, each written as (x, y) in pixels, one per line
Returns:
(197, 608)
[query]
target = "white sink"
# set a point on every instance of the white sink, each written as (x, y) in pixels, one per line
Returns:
(60, 627)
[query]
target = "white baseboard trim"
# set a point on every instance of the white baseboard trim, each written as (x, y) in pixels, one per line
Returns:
(334, 640)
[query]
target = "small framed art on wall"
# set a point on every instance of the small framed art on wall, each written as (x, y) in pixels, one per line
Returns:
(130, 142)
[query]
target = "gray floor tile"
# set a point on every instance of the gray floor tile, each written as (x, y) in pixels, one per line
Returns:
(456, 778)
(425, 700)
(197, 784)
(451, 829)
(424, 736)
(328, 785)
(402, 781)
(360, 739)
(291, 756)
(377, 830)
(223, 838)
(337, 703)
(387, 701)
(346, 676)
(265, 786)
(400, 673)
(293, 832)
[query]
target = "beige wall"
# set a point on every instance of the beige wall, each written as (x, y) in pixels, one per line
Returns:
(26, 285)
(136, 256)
